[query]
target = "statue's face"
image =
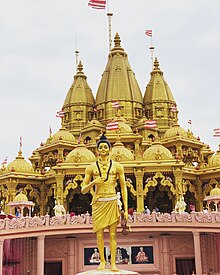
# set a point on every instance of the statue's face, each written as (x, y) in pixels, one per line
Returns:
(103, 149)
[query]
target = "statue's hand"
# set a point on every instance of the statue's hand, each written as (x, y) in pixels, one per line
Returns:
(98, 181)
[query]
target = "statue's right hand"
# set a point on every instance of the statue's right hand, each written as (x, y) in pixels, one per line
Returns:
(98, 181)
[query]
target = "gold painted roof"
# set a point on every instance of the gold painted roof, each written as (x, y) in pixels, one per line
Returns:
(120, 153)
(157, 152)
(20, 197)
(174, 131)
(19, 165)
(215, 159)
(79, 92)
(157, 88)
(118, 80)
(215, 191)
(62, 135)
(80, 155)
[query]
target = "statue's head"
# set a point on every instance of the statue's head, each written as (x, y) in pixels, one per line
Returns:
(103, 139)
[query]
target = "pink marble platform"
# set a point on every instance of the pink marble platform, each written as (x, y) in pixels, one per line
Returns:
(107, 272)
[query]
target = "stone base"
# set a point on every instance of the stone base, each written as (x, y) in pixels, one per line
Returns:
(107, 272)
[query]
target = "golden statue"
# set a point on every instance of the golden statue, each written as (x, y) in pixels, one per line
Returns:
(103, 176)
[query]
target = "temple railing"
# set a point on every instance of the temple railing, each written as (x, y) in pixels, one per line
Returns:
(140, 218)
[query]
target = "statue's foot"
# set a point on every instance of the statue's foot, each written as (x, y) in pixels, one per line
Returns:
(101, 266)
(114, 268)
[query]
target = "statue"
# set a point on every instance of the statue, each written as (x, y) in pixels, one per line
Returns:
(105, 205)
(141, 256)
(180, 206)
(95, 258)
(59, 209)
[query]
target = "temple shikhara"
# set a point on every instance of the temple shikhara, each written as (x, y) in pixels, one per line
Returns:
(172, 179)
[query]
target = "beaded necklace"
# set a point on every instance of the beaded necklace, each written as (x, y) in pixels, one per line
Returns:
(100, 173)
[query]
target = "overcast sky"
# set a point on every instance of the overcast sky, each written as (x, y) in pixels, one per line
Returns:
(37, 60)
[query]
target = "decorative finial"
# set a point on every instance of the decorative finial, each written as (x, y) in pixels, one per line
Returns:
(117, 40)
(156, 64)
(80, 66)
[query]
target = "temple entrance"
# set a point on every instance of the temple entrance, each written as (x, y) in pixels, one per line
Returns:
(185, 266)
(159, 198)
(54, 268)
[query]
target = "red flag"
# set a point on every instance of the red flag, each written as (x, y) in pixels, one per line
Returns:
(97, 4)
(115, 104)
(150, 124)
(112, 125)
(5, 161)
(189, 121)
(149, 33)
(216, 132)
(60, 114)
(173, 109)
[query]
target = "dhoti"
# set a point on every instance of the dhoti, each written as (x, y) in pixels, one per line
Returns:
(104, 214)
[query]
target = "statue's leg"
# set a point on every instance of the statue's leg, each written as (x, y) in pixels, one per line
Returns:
(113, 245)
(100, 244)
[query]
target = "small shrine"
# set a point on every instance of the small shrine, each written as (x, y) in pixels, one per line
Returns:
(214, 197)
(21, 202)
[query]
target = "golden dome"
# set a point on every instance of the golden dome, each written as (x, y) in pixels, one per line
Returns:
(62, 135)
(20, 197)
(158, 89)
(175, 131)
(94, 122)
(80, 154)
(19, 165)
(215, 159)
(120, 153)
(157, 152)
(215, 191)
(80, 92)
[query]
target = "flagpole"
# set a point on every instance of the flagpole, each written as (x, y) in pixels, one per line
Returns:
(76, 53)
(151, 48)
(110, 14)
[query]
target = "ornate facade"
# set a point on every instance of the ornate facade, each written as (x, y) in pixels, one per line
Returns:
(161, 164)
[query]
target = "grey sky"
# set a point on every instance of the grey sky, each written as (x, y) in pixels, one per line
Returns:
(37, 62)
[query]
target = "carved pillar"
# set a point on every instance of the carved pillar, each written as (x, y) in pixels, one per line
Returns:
(199, 201)
(178, 174)
(59, 187)
(197, 251)
(11, 185)
(139, 174)
(1, 255)
(71, 256)
(60, 155)
(43, 199)
(179, 151)
(166, 254)
(40, 255)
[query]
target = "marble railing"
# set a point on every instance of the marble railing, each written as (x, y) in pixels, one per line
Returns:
(86, 219)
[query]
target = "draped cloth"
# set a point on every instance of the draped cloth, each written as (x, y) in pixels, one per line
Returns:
(104, 214)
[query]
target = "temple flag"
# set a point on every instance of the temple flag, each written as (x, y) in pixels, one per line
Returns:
(60, 114)
(5, 161)
(97, 4)
(115, 104)
(150, 124)
(149, 33)
(173, 109)
(112, 125)
(216, 132)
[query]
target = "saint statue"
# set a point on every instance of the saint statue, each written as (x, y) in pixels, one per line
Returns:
(141, 256)
(102, 177)
(59, 209)
(95, 258)
(180, 206)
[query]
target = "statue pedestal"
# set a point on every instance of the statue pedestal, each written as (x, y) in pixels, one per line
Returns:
(107, 272)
